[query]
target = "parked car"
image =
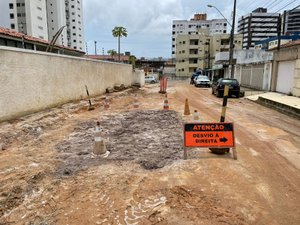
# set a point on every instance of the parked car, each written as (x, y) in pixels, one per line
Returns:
(202, 81)
(195, 75)
(150, 79)
(218, 87)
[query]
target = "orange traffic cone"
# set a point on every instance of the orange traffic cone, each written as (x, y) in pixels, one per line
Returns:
(106, 102)
(186, 108)
(135, 102)
(196, 115)
(166, 103)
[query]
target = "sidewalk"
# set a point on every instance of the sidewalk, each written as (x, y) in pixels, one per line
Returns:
(289, 105)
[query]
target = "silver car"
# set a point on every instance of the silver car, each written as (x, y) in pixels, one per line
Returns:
(150, 79)
(202, 81)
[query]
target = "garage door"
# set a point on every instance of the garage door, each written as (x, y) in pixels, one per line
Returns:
(285, 79)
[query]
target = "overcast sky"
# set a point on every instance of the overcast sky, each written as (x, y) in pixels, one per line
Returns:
(149, 22)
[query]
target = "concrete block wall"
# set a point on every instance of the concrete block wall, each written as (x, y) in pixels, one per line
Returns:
(31, 81)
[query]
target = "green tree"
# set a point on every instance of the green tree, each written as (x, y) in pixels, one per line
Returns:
(112, 52)
(119, 32)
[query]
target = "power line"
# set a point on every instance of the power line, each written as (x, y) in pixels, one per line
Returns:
(269, 4)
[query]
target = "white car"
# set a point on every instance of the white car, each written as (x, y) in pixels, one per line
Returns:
(150, 79)
(202, 81)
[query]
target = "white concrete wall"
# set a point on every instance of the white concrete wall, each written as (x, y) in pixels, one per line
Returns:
(31, 81)
(139, 77)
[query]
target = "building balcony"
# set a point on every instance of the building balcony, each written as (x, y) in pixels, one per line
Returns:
(194, 46)
(221, 57)
(225, 46)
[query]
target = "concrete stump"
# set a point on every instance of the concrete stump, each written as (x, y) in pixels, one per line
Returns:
(99, 147)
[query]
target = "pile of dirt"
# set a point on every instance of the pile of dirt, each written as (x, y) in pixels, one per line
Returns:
(152, 138)
(194, 205)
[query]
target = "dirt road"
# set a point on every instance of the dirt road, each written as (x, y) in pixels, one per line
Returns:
(48, 174)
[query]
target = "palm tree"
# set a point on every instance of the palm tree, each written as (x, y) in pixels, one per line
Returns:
(119, 32)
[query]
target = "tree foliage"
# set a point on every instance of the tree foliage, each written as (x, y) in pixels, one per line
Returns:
(119, 32)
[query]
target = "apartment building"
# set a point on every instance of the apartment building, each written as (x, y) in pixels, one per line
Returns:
(257, 26)
(74, 19)
(193, 26)
(56, 14)
(43, 18)
(198, 50)
(291, 21)
(29, 17)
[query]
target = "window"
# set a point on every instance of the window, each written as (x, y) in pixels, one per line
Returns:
(74, 40)
(74, 34)
(74, 27)
(11, 15)
(19, 14)
(18, 4)
(72, 6)
(73, 20)
(11, 5)
(40, 18)
(75, 47)
(40, 27)
(183, 42)
(39, 8)
(42, 37)
(12, 26)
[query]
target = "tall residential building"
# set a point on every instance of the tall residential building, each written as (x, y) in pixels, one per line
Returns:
(43, 18)
(257, 26)
(56, 14)
(29, 17)
(181, 27)
(198, 50)
(291, 21)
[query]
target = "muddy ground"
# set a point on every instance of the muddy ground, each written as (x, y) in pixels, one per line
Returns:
(48, 174)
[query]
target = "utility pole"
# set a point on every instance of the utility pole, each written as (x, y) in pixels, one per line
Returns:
(95, 47)
(279, 33)
(86, 47)
(231, 63)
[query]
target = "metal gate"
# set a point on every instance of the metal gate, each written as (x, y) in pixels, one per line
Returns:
(253, 76)
(285, 78)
